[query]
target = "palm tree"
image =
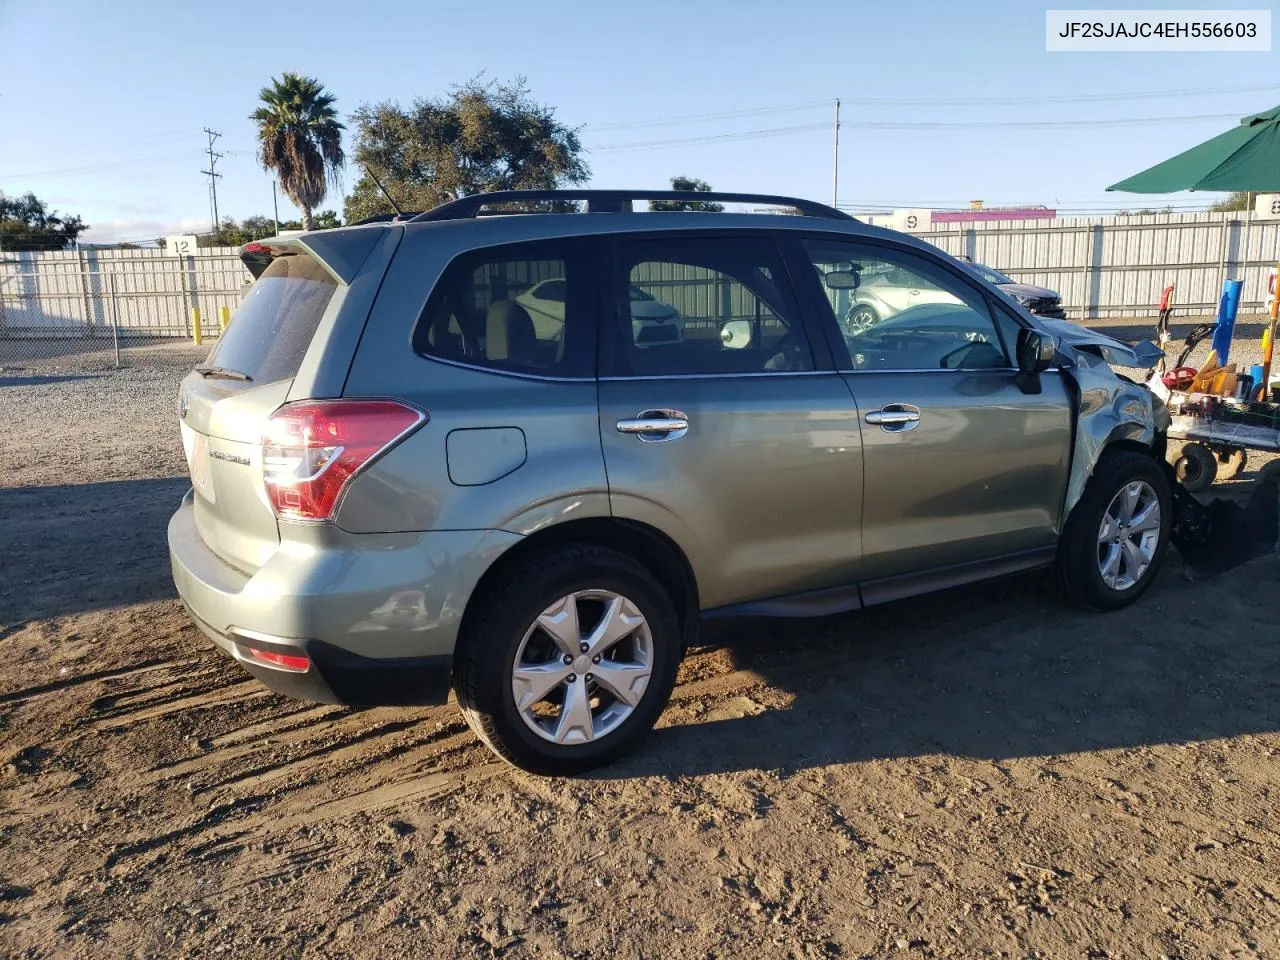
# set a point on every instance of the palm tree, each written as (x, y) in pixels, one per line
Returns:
(300, 138)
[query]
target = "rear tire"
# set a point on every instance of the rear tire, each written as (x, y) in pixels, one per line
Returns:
(1107, 558)
(516, 631)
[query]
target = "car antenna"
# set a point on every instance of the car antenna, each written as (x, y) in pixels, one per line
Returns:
(374, 177)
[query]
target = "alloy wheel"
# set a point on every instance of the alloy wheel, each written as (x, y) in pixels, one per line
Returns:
(1129, 535)
(582, 667)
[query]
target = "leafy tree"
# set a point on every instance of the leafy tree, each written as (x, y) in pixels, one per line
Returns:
(300, 138)
(483, 136)
(231, 233)
(1235, 201)
(688, 183)
(27, 223)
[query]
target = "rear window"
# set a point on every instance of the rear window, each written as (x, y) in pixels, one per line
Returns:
(271, 331)
(526, 308)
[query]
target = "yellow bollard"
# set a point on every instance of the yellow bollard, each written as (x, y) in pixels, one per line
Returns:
(196, 334)
(224, 317)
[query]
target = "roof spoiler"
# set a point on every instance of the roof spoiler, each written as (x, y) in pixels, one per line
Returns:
(340, 250)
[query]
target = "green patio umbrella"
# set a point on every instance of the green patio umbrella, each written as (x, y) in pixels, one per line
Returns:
(1245, 158)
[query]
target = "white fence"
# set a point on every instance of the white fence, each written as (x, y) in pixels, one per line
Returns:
(1102, 267)
(1117, 266)
(84, 293)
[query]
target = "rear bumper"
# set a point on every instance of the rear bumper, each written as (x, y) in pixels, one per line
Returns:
(335, 675)
(377, 615)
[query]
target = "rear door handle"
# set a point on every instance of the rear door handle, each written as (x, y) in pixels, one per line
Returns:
(895, 417)
(653, 426)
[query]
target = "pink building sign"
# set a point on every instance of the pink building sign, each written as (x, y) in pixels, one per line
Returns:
(1008, 213)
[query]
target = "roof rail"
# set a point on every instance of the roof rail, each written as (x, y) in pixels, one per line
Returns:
(384, 218)
(618, 201)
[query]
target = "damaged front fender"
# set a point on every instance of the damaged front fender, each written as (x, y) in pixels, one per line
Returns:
(1110, 408)
(1142, 355)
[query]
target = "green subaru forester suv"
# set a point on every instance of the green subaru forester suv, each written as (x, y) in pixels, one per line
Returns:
(523, 454)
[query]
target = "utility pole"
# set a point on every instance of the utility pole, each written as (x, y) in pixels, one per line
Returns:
(835, 154)
(213, 175)
(275, 209)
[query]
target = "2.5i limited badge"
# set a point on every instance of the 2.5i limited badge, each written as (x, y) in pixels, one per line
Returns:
(229, 457)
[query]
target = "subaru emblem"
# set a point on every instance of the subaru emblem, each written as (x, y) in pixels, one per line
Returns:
(182, 407)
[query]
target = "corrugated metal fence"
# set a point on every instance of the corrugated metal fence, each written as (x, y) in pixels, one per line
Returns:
(1103, 267)
(1117, 266)
(142, 293)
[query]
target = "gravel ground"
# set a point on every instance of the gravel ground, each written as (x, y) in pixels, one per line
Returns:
(77, 419)
(975, 774)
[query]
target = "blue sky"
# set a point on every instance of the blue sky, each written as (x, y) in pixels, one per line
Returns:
(102, 104)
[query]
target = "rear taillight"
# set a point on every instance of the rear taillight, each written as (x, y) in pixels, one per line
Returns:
(293, 663)
(310, 450)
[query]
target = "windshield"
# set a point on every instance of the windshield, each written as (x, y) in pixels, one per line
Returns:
(992, 276)
(272, 329)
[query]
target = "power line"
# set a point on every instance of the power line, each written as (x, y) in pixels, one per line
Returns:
(702, 117)
(912, 125)
(69, 148)
(929, 102)
(1075, 98)
(105, 167)
(712, 138)
(1035, 124)
(213, 175)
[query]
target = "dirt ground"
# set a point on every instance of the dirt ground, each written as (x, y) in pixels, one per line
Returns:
(981, 773)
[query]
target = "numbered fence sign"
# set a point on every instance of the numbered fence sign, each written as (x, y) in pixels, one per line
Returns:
(1266, 206)
(184, 246)
(912, 221)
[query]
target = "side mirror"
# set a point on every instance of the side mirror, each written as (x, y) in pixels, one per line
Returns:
(842, 280)
(735, 334)
(1036, 350)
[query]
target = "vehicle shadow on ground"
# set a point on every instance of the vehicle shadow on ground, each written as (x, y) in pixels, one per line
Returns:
(994, 671)
(72, 548)
(41, 380)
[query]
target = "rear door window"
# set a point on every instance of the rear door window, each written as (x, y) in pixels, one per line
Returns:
(699, 306)
(527, 308)
(270, 333)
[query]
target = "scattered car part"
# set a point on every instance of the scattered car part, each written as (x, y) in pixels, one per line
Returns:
(1195, 467)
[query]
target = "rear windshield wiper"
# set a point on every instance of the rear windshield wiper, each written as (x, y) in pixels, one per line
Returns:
(224, 373)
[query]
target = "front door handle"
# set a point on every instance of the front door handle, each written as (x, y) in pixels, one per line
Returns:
(895, 417)
(653, 426)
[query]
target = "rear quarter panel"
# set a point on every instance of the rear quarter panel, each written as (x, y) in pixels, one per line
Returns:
(561, 475)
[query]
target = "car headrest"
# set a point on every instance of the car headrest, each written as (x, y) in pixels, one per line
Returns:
(509, 333)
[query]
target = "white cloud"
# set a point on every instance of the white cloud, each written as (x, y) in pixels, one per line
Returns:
(114, 231)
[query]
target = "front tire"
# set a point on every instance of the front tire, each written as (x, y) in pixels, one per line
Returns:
(1115, 539)
(568, 660)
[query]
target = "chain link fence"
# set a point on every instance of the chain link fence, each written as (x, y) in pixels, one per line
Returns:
(99, 304)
